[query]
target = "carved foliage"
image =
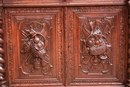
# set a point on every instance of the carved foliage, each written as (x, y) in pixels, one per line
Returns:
(95, 46)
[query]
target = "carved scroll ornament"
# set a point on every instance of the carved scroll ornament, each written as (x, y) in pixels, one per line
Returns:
(35, 47)
(94, 47)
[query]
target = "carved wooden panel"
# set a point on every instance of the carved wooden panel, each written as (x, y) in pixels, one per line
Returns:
(34, 46)
(96, 45)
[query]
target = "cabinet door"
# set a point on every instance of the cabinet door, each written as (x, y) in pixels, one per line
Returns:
(96, 40)
(34, 47)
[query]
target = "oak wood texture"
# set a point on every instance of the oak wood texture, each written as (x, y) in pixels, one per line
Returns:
(64, 43)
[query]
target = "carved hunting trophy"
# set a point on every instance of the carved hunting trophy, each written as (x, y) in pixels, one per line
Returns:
(35, 46)
(94, 48)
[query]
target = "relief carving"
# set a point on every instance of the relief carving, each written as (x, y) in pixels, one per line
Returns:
(95, 47)
(35, 47)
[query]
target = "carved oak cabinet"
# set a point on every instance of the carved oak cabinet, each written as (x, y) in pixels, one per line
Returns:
(64, 43)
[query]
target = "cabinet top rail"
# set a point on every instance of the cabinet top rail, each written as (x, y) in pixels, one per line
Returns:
(22, 3)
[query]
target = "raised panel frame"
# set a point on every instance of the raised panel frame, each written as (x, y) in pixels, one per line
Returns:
(72, 45)
(13, 18)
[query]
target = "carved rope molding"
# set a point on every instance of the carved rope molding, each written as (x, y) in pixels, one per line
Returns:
(2, 60)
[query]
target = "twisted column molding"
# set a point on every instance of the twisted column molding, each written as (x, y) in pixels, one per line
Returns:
(2, 60)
